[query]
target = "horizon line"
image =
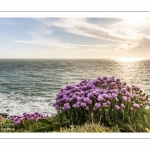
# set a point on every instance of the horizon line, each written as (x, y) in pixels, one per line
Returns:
(80, 58)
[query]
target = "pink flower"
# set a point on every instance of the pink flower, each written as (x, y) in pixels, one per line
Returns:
(122, 106)
(113, 95)
(100, 98)
(148, 103)
(117, 107)
(136, 106)
(105, 95)
(87, 108)
(108, 102)
(83, 105)
(124, 98)
(123, 90)
(97, 105)
(104, 105)
(131, 108)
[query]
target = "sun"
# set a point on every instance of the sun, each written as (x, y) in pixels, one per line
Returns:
(128, 59)
(134, 20)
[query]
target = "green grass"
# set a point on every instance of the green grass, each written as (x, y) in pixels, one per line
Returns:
(90, 127)
(7, 126)
(138, 123)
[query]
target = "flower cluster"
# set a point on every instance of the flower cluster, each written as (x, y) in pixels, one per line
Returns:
(26, 116)
(100, 93)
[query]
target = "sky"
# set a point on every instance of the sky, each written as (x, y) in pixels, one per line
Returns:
(104, 37)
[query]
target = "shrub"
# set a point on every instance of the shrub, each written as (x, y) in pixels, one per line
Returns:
(28, 121)
(36, 122)
(105, 100)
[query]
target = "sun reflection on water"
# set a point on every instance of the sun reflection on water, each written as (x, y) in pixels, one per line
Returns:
(132, 71)
(128, 59)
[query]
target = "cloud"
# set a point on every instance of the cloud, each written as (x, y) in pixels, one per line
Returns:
(103, 22)
(131, 37)
(59, 44)
(40, 31)
(132, 28)
(80, 26)
(123, 30)
(142, 49)
(41, 42)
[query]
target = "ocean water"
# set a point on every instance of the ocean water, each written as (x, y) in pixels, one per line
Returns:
(32, 85)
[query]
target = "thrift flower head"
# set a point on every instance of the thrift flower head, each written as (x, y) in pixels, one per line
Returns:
(135, 95)
(97, 105)
(26, 116)
(105, 95)
(104, 104)
(115, 91)
(108, 103)
(122, 106)
(136, 106)
(117, 107)
(113, 95)
(123, 90)
(87, 108)
(83, 105)
(100, 98)
(86, 99)
(131, 108)
(117, 80)
(124, 98)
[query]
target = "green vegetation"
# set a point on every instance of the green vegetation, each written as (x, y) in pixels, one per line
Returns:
(138, 123)
(100, 105)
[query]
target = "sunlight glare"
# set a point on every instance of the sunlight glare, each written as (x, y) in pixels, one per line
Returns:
(128, 59)
(134, 20)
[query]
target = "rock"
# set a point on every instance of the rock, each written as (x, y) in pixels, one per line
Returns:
(148, 95)
(5, 115)
(10, 117)
(2, 119)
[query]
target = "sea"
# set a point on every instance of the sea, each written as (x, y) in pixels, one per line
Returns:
(31, 85)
